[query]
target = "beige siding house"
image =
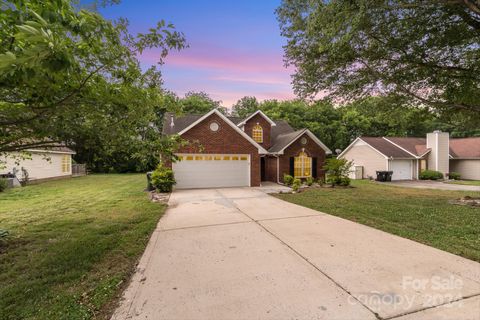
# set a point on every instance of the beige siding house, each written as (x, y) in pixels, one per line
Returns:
(41, 165)
(407, 157)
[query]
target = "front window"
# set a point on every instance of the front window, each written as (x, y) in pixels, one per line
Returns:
(66, 164)
(302, 166)
(257, 133)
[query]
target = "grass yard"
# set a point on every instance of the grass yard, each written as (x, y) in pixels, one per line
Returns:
(73, 245)
(421, 215)
(466, 182)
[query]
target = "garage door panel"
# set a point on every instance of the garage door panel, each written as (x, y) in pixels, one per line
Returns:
(225, 170)
(402, 169)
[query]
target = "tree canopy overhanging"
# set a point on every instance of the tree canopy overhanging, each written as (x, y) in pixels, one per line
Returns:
(69, 75)
(426, 51)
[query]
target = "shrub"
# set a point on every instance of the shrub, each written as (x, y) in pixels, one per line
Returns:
(337, 171)
(163, 179)
(309, 181)
(3, 184)
(296, 184)
(287, 179)
(454, 175)
(430, 175)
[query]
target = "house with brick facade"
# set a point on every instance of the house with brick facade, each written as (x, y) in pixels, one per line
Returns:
(224, 151)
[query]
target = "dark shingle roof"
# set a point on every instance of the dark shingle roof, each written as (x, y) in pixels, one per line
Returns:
(465, 148)
(417, 146)
(282, 140)
(386, 148)
(280, 133)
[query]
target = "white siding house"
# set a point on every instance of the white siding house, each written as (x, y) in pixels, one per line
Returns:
(407, 157)
(40, 164)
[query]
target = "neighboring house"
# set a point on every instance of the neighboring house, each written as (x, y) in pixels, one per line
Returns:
(230, 151)
(44, 164)
(407, 157)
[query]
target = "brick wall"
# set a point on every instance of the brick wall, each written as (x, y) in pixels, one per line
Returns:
(267, 142)
(225, 140)
(311, 148)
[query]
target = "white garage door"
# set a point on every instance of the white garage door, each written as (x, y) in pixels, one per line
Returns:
(402, 169)
(212, 170)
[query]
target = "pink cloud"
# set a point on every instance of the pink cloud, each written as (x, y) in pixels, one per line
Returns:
(210, 57)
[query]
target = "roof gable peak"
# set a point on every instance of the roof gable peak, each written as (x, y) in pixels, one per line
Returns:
(272, 123)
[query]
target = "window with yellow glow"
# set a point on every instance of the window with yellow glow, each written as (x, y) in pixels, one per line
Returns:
(226, 158)
(198, 157)
(302, 166)
(243, 158)
(66, 164)
(235, 158)
(257, 133)
(217, 158)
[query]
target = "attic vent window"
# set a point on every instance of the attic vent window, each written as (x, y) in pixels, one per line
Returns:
(303, 141)
(257, 133)
(214, 126)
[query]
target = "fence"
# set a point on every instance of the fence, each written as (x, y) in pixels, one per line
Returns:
(79, 170)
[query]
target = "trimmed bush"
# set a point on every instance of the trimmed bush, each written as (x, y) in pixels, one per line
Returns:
(163, 179)
(454, 175)
(430, 175)
(296, 184)
(3, 184)
(309, 181)
(287, 179)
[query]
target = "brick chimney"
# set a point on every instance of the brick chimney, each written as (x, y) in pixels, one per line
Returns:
(438, 159)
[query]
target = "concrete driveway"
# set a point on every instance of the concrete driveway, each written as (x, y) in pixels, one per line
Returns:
(241, 254)
(426, 184)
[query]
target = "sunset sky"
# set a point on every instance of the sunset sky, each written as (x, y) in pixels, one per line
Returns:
(235, 46)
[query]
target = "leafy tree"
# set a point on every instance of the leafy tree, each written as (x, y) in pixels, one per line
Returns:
(245, 106)
(426, 51)
(69, 75)
(199, 103)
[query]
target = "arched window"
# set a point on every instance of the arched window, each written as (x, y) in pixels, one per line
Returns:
(257, 133)
(302, 166)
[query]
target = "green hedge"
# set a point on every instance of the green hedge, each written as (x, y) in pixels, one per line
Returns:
(431, 175)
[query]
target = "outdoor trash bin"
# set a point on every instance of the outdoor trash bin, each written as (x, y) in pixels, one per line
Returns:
(149, 181)
(389, 175)
(382, 175)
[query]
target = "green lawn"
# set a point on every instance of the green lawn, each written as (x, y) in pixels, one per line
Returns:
(419, 214)
(466, 182)
(73, 245)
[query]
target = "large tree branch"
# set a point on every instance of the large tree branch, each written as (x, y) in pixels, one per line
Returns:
(405, 90)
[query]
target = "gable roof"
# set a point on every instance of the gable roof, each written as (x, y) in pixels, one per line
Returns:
(465, 148)
(413, 148)
(282, 134)
(229, 122)
(272, 123)
(283, 141)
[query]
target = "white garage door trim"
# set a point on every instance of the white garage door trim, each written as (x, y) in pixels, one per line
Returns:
(201, 170)
(402, 169)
